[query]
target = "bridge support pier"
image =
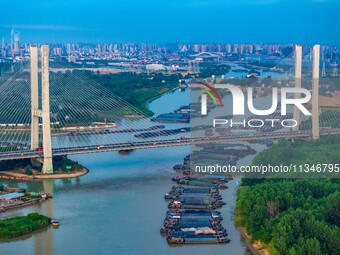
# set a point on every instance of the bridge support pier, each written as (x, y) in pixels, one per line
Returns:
(44, 112)
(315, 92)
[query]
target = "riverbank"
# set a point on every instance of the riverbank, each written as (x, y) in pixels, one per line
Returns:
(12, 175)
(158, 96)
(256, 247)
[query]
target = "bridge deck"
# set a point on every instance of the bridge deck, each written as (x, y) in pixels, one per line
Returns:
(158, 144)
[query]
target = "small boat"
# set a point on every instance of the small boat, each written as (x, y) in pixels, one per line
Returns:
(55, 223)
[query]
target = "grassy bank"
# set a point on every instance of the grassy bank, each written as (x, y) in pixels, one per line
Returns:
(21, 225)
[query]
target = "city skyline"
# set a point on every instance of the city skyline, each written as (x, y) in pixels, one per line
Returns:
(188, 21)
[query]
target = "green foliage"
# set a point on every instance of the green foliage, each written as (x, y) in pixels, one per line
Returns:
(135, 88)
(14, 164)
(62, 162)
(207, 69)
(327, 119)
(28, 170)
(21, 225)
(293, 216)
(324, 151)
(59, 162)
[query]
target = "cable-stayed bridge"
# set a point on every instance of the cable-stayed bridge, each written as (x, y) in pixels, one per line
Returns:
(49, 111)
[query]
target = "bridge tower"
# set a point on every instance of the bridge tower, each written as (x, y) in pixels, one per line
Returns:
(298, 78)
(44, 112)
(315, 92)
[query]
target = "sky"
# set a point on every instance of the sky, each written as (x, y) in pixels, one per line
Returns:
(162, 21)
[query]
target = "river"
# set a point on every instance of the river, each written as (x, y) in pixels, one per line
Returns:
(118, 207)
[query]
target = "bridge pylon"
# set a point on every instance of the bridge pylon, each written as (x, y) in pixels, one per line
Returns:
(298, 79)
(315, 92)
(44, 112)
(315, 88)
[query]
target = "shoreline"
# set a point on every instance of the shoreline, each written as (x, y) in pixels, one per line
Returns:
(19, 176)
(253, 246)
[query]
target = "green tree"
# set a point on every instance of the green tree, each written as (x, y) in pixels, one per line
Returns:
(28, 170)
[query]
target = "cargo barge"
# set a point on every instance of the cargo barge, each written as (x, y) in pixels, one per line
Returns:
(183, 189)
(172, 221)
(183, 213)
(192, 217)
(196, 204)
(208, 178)
(197, 239)
(179, 196)
(172, 118)
(181, 167)
(202, 184)
(169, 228)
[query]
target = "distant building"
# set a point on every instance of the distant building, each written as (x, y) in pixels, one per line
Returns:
(72, 58)
(57, 52)
(16, 42)
(155, 67)
(228, 48)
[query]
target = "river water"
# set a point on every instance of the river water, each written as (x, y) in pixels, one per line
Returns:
(118, 207)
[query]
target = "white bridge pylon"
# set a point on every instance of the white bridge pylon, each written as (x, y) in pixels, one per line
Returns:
(44, 112)
(315, 88)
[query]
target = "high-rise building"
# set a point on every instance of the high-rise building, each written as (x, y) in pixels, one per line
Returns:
(228, 48)
(236, 48)
(57, 51)
(68, 48)
(251, 48)
(12, 39)
(241, 49)
(2, 46)
(16, 42)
